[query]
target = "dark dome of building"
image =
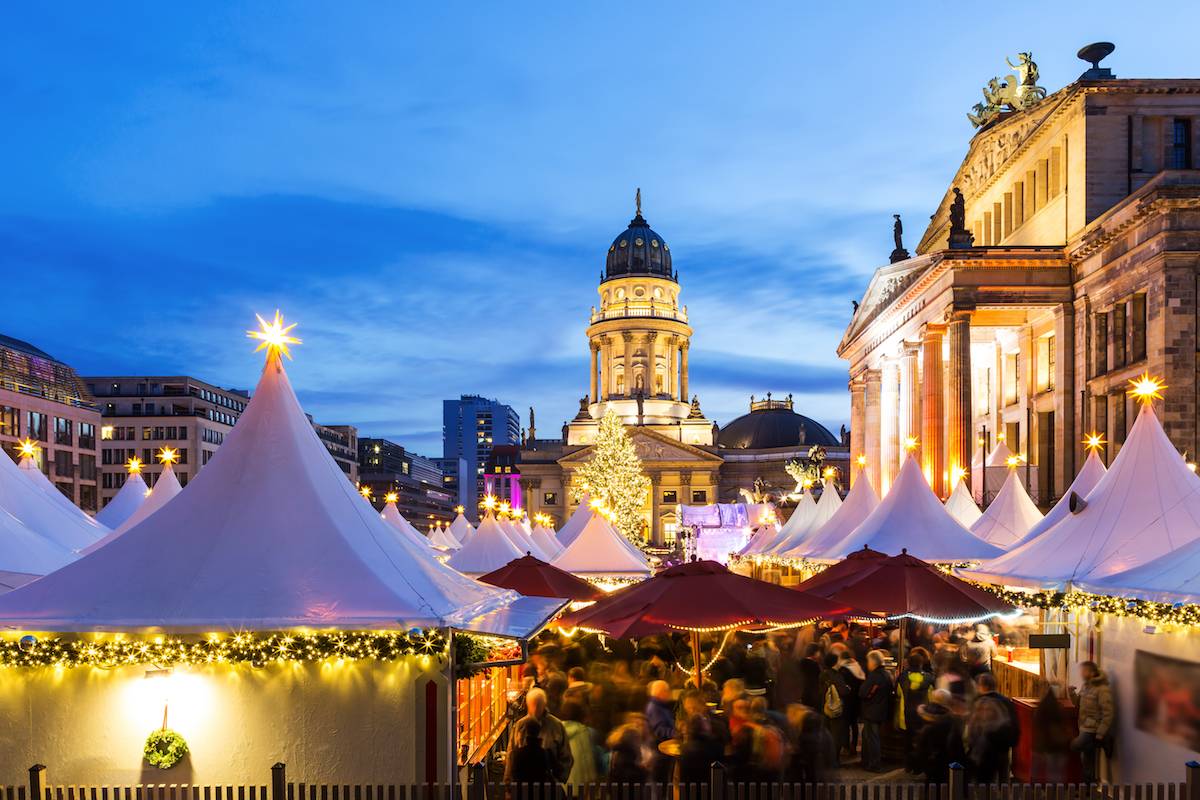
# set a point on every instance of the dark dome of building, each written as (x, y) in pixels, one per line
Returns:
(771, 424)
(638, 250)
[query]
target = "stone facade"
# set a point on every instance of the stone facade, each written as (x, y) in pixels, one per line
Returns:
(1086, 216)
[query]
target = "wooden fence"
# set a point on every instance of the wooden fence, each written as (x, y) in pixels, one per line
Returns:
(718, 788)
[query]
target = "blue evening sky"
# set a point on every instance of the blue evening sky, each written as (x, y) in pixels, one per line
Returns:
(429, 189)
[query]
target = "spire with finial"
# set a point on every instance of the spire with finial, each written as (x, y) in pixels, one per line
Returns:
(637, 199)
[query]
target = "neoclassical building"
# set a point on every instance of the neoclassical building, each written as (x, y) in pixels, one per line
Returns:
(638, 339)
(1072, 268)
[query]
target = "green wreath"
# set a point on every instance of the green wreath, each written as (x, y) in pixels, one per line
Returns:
(165, 748)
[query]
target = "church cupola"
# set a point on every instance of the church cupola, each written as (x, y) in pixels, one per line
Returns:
(638, 250)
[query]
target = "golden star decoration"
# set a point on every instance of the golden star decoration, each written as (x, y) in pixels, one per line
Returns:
(27, 448)
(1094, 441)
(1146, 388)
(274, 336)
(168, 455)
(134, 465)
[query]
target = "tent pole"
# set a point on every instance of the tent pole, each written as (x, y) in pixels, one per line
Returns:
(696, 659)
(453, 722)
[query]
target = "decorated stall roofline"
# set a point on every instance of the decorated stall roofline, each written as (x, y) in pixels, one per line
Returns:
(1053, 600)
(236, 648)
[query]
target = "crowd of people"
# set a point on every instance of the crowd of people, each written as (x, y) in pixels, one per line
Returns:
(792, 706)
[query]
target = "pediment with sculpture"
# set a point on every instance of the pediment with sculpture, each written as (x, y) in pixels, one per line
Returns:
(652, 447)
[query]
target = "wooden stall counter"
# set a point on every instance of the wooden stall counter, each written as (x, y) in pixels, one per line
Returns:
(1045, 764)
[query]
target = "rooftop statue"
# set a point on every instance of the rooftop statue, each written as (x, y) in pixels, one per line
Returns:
(1017, 91)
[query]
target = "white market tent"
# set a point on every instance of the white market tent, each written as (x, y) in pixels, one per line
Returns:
(26, 555)
(962, 506)
(1010, 516)
(489, 549)
(29, 467)
(393, 517)
(521, 540)
(827, 506)
(857, 506)
(269, 536)
(125, 502)
(545, 539)
(1171, 578)
(42, 513)
(165, 489)
(1085, 480)
(600, 550)
(912, 518)
(461, 530)
(1146, 506)
(575, 523)
(770, 539)
(441, 537)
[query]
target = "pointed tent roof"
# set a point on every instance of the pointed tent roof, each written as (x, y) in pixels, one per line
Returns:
(962, 506)
(124, 503)
(441, 537)
(599, 549)
(1173, 577)
(545, 539)
(269, 535)
(31, 470)
(489, 549)
(41, 513)
(523, 541)
(25, 554)
(165, 489)
(857, 506)
(827, 506)
(911, 517)
(1145, 506)
(393, 517)
(461, 529)
(1010, 517)
(796, 527)
(575, 523)
(1085, 480)
(997, 458)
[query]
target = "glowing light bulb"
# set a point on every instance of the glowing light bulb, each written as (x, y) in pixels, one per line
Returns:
(861, 460)
(1014, 461)
(274, 336)
(910, 443)
(1146, 388)
(168, 456)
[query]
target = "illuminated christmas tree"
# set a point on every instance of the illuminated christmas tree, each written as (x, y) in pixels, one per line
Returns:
(614, 477)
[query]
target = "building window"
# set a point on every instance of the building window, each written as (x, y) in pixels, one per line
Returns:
(87, 436)
(1118, 336)
(670, 532)
(1100, 343)
(1045, 363)
(670, 496)
(10, 421)
(37, 426)
(87, 497)
(549, 498)
(87, 467)
(106, 480)
(1137, 327)
(63, 466)
(1012, 377)
(62, 431)
(1180, 156)
(700, 496)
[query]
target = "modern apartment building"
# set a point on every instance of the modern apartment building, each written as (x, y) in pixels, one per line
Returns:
(342, 443)
(471, 426)
(386, 467)
(43, 399)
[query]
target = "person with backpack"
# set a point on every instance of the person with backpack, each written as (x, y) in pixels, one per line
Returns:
(834, 691)
(876, 696)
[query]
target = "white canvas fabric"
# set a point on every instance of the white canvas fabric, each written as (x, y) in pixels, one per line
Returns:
(857, 506)
(1010, 517)
(165, 489)
(441, 537)
(1085, 481)
(1145, 506)
(489, 549)
(268, 536)
(546, 540)
(523, 541)
(24, 552)
(962, 506)
(407, 531)
(31, 470)
(42, 513)
(1170, 578)
(797, 525)
(912, 518)
(600, 550)
(575, 523)
(125, 502)
(461, 530)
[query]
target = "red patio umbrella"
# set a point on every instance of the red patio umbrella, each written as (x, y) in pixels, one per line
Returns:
(701, 596)
(846, 570)
(533, 577)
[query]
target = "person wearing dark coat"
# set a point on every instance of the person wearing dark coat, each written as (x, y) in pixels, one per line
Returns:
(810, 676)
(1009, 733)
(835, 694)
(876, 696)
(529, 762)
(940, 742)
(851, 672)
(700, 749)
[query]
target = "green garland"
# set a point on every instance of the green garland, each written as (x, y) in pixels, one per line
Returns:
(1163, 613)
(241, 648)
(164, 748)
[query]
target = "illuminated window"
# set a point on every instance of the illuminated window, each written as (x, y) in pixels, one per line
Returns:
(106, 432)
(670, 496)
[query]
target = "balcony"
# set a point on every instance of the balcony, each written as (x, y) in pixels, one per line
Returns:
(627, 311)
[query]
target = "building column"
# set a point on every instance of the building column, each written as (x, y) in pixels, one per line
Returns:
(605, 368)
(595, 348)
(1066, 438)
(514, 490)
(872, 434)
(909, 422)
(669, 350)
(932, 408)
(651, 368)
(889, 427)
(683, 372)
(959, 409)
(858, 424)
(627, 363)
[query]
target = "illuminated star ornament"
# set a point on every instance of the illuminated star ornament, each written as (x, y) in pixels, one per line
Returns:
(134, 465)
(1014, 461)
(365, 491)
(861, 460)
(1094, 441)
(910, 443)
(1146, 389)
(168, 456)
(27, 448)
(274, 336)
(390, 497)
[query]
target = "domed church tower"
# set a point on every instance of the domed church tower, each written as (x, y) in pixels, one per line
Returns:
(639, 338)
